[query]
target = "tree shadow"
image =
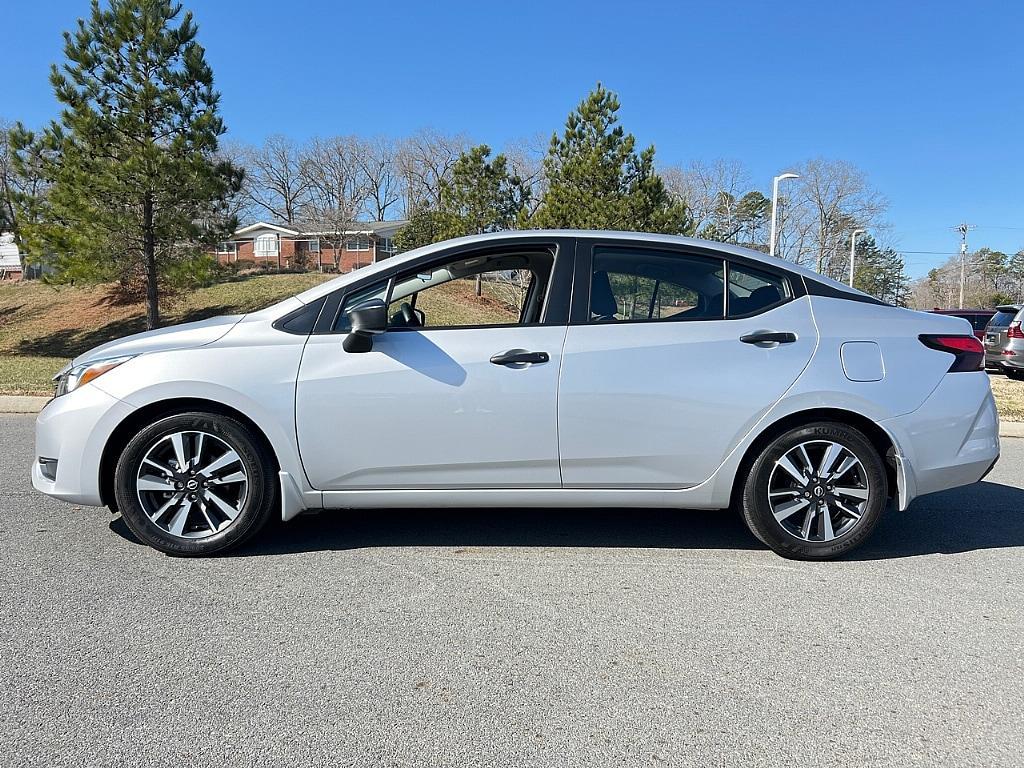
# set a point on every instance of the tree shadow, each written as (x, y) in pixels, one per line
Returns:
(71, 342)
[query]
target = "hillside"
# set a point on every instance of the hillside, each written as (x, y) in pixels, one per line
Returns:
(42, 326)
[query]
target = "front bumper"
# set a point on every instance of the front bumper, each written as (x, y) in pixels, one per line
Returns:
(71, 432)
(951, 440)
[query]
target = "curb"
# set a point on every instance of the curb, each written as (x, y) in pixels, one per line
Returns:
(32, 404)
(22, 403)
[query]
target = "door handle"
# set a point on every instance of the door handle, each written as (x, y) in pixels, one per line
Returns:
(768, 337)
(519, 357)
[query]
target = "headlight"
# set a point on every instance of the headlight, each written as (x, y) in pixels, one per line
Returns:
(72, 377)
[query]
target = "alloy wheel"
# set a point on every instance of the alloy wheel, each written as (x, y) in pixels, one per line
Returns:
(818, 491)
(192, 484)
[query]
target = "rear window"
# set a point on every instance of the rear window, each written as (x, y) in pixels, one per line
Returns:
(1002, 318)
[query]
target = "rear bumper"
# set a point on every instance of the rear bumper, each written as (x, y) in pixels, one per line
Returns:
(951, 440)
(1005, 359)
(71, 432)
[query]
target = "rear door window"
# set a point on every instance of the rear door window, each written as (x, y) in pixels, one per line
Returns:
(752, 290)
(651, 285)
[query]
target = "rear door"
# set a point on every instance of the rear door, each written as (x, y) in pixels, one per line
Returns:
(663, 370)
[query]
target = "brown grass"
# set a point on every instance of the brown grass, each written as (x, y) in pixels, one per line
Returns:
(1009, 396)
(42, 326)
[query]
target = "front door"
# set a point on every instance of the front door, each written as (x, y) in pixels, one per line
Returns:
(657, 382)
(459, 392)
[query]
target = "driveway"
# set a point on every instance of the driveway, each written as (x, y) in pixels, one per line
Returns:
(513, 638)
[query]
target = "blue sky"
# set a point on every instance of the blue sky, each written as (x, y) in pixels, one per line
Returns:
(925, 97)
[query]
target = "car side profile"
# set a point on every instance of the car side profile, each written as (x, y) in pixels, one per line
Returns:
(535, 368)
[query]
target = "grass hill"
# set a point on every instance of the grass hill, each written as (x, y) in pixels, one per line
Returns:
(43, 326)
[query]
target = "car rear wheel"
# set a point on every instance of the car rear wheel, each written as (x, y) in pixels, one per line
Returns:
(1016, 375)
(194, 484)
(815, 492)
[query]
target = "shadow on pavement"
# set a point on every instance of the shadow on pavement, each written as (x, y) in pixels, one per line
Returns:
(981, 516)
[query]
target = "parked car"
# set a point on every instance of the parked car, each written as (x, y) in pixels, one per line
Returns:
(594, 369)
(978, 318)
(1004, 341)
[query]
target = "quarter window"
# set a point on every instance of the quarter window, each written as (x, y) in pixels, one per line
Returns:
(752, 290)
(649, 285)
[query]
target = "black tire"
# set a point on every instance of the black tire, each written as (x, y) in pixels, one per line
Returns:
(758, 513)
(256, 504)
(1016, 375)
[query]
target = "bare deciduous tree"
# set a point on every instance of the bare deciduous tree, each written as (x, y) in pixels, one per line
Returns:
(710, 189)
(274, 181)
(831, 198)
(425, 160)
(336, 190)
(377, 160)
(526, 160)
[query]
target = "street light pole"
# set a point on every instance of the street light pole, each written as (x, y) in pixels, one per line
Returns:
(853, 250)
(775, 207)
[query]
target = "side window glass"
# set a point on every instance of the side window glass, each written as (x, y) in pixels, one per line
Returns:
(473, 290)
(375, 291)
(437, 299)
(642, 284)
(752, 291)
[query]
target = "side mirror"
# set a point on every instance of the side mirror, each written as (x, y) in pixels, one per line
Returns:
(367, 320)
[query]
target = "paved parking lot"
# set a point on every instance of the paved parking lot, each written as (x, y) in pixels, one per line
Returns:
(512, 638)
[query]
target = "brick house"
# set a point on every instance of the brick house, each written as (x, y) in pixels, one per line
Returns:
(10, 260)
(279, 245)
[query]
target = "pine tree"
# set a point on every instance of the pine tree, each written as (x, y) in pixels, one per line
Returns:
(135, 183)
(596, 180)
(481, 195)
(880, 272)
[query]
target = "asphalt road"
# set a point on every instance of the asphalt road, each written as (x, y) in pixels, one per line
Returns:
(512, 638)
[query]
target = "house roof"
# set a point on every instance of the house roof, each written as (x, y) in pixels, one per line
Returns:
(298, 229)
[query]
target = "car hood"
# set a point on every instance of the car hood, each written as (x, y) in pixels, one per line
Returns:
(182, 336)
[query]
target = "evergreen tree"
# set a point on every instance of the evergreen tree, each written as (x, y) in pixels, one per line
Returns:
(135, 185)
(596, 180)
(482, 195)
(880, 272)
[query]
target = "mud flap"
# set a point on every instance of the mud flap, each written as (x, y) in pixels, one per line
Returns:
(291, 498)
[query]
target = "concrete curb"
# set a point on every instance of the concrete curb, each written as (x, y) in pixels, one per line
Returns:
(31, 404)
(22, 403)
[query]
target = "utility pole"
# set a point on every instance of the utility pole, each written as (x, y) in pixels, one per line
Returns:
(963, 229)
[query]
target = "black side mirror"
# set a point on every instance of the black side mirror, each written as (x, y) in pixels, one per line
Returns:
(367, 320)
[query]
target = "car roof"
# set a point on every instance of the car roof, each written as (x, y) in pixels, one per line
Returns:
(1009, 307)
(963, 311)
(532, 235)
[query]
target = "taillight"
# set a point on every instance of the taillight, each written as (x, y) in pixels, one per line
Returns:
(968, 352)
(1015, 331)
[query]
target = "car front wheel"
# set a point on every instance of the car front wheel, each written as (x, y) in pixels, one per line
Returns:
(194, 484)
(815, 492)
